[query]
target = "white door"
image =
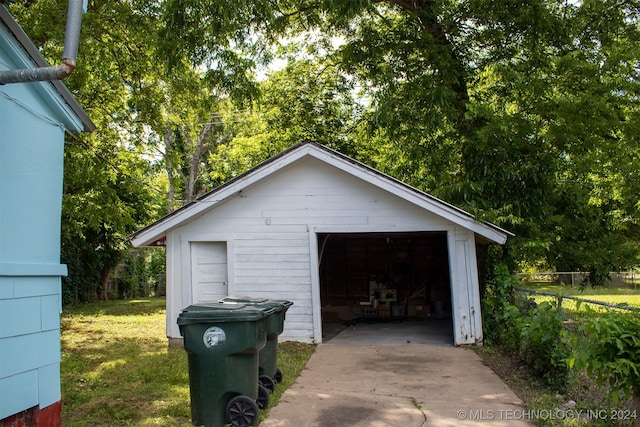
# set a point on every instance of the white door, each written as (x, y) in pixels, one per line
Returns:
(208, 271)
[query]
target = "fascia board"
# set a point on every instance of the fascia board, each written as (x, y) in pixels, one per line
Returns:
(357, 169)
(199, 207)
(413, 195)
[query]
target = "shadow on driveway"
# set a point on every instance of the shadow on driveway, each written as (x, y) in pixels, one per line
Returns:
(397, 374)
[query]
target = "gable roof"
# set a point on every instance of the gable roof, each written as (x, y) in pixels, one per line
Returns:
(32, 59)
(157, 231)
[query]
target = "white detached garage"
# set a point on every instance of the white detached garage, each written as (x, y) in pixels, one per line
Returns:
(328, 233)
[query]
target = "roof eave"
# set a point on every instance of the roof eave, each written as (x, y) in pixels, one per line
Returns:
(160, 228)
(38, 59)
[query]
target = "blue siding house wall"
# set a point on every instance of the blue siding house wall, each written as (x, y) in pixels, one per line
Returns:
(34, 118)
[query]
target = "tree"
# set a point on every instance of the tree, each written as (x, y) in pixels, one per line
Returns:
(153, 116)
(303, 101)
(191, 127)
(524, 114)
(560, 116)
(503, 108)
(108, 188)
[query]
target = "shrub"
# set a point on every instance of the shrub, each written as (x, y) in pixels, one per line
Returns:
(545, 344)
(501, 317)
(535, 332)
(607, 346)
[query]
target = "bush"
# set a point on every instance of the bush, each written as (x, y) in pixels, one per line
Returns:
(517, 324)
(607, 346)
(501, 318)
(545, 344)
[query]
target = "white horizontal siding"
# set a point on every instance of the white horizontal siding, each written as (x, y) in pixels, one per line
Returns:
(277, 241)
(313, 193)
(279, 258)
(201, 230)
(277, 266)
(301, 271)
(268, 228)
(275, 250)
(270, 268)
(276, 280)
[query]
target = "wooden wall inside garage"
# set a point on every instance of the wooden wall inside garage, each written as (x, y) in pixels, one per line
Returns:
(415, 265)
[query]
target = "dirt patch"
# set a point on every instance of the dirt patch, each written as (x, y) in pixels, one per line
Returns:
(518, 376)
(586, 394)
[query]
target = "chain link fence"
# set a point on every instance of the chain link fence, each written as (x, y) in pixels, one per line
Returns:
(578, 278)
(569, 305)
(560, 299)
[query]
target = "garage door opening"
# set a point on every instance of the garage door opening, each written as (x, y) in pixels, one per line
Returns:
(384, 277)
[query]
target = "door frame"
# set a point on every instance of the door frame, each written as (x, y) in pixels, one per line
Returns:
(328, 229)
(219, 250)
(187, 279)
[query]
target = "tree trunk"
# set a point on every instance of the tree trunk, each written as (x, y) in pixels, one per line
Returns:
(423, 10)
(104, 284)
(168, 164)
(196, 159)
(194, 170)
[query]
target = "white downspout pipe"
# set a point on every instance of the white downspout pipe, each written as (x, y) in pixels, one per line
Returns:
(71, 41)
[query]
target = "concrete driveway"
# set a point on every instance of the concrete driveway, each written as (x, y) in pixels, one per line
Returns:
(398, 374)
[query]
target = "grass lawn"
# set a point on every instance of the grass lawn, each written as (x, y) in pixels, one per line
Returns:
(623, 295)
(117, 369)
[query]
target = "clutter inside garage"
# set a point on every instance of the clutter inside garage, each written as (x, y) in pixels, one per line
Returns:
(384, 276)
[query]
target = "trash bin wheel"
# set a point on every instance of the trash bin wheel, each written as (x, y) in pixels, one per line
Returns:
(267, 382)
(278, 376)
(263, 397)
(242, 411)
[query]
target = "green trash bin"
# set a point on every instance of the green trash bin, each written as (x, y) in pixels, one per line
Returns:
(223, 342)
(268, 371)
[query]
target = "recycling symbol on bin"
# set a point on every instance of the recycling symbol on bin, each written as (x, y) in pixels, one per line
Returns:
(213, 336)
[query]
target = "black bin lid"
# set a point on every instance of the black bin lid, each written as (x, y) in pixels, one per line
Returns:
(222, 313)
(241, 299)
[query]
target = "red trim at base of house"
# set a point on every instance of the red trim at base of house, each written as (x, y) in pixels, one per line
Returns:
(35, 417)
(49, 416)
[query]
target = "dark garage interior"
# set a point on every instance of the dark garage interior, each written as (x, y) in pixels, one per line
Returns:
(384, 276)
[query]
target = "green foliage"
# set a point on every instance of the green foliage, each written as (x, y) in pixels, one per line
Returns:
(303, 101)
(502, 320)
(140, 273)
(545, 343)
(526, 115)
(103, 203)
(535, 332)
(308, 101)
(608, 347)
